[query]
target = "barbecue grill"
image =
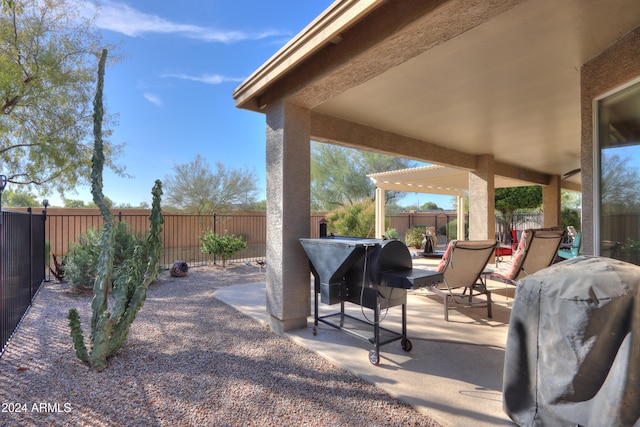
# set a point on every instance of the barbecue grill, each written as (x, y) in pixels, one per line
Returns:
(372, 273)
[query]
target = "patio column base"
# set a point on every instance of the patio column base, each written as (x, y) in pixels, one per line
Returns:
(280, 326)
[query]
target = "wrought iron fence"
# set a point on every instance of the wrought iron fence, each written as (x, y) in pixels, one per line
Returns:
(22, 262)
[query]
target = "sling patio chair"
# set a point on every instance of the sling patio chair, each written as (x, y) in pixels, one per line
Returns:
(537, 249)
(574, 250)
(462, 264)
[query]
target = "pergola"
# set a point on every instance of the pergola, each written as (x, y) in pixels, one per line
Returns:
(430, 179)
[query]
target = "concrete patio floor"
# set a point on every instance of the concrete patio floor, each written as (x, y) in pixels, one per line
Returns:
(453, 372)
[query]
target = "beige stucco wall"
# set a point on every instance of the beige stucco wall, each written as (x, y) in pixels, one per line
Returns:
(614, 67)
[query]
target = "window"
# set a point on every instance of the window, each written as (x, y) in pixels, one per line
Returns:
(618, 174)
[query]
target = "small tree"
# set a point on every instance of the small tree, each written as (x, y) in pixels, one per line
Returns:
(414, 236)
(509, 200)
(223, 246)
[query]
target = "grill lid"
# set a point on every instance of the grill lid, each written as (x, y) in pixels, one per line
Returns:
(388, 262)
(331, 257)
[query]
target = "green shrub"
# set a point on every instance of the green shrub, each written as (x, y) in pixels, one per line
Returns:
(82, 260)
(414, 236)
(354, 220)
(391, 233)
(570, 217)
(223, 246)
(452, 229)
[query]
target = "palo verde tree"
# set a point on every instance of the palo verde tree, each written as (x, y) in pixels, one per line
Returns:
(196, 188)
(48, 56)
(339, 175)
(109, 330)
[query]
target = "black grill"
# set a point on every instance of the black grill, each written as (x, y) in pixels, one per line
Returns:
(371, 273)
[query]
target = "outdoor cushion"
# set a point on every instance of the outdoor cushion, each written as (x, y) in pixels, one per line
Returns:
(576, 248)
(523, 245)
(445, 256)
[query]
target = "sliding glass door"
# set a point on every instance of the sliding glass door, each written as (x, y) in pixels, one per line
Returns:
(618, 174)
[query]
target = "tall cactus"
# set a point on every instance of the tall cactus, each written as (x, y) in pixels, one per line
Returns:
(109, 330)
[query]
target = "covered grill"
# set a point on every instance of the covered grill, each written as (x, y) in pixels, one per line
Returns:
(372, 273)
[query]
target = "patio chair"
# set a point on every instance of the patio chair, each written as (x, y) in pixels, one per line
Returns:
(537, 249)
(574, 250)
(507, 249)
(462, 264)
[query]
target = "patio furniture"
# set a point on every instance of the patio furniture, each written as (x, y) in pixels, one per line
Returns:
(507, 249)
(574, 250)
(537, 250)
(571, 234)
(461, 265)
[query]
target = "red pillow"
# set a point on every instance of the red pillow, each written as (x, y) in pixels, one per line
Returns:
(445, 256)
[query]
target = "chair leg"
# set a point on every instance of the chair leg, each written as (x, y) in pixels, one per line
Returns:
(489, 310)
(446, 307)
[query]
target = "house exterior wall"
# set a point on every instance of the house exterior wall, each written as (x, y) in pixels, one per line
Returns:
(615, 66)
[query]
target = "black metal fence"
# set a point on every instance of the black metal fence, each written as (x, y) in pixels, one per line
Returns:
(22, 267)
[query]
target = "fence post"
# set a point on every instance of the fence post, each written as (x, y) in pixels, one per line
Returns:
(215, 232)
(30, 252)
(47, 255)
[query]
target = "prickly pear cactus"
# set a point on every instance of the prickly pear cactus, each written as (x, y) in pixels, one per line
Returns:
(109, 330)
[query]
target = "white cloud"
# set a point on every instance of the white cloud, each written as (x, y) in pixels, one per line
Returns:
(212, 79)
(154, 99)
(121, 18)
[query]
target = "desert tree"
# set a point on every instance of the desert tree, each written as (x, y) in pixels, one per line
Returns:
(197, 188)
(339, 175)
(48, 56)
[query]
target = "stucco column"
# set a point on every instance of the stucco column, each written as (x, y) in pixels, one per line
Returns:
(551, 202)
(482, 217)
(380, 213)
(288, 213)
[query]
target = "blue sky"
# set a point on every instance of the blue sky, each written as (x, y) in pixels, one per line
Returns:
(172, 91)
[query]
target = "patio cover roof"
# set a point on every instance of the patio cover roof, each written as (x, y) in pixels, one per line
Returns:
(433, 179)
(447, 81)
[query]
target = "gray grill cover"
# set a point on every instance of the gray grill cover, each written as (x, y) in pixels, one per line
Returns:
(573, 347)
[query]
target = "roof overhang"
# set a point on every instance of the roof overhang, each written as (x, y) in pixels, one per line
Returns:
(325, 30)
(445, 82)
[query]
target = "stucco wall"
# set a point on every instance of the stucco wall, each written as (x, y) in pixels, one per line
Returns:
(614, 67)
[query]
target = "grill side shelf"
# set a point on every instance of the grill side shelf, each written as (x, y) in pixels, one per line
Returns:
(411, 278)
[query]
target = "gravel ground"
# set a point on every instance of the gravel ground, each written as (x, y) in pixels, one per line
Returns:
(189, 360)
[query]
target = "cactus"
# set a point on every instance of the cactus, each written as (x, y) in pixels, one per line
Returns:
(109, 330)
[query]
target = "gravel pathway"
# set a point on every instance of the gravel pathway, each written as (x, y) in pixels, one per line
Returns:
(189, 360)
